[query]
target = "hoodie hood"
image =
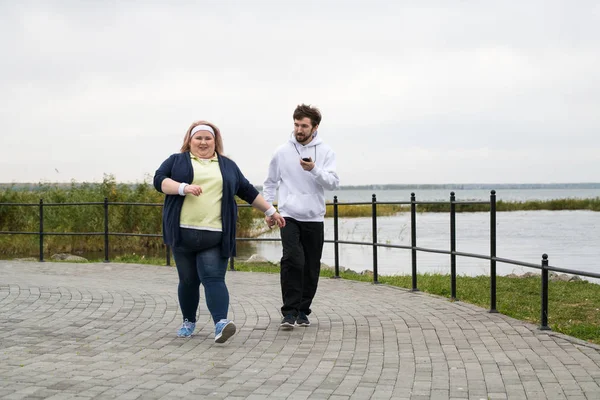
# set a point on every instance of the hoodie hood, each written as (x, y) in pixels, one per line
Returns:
(315, 141)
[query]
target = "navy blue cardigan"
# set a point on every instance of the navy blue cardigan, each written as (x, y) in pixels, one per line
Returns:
(179, 168)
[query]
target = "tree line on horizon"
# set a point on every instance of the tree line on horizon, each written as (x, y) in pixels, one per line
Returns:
(392, 186)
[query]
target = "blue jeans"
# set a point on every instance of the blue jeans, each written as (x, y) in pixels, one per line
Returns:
(199, 261)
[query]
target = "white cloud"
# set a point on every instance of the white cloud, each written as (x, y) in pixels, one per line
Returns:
(486, 92)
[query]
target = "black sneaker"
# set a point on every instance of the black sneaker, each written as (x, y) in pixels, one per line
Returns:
(302, 319)
(288, 321)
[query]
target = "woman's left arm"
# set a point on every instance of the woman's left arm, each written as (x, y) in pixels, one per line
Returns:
(271, 215)
(246, 191)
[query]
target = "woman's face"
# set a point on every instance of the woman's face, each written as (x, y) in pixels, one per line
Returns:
(202, 144)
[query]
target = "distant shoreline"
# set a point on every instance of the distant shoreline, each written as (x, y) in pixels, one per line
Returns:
(475, 186)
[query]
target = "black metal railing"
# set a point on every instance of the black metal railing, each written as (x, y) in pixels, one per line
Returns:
(106, 233)
(453, 203)
(413, 203)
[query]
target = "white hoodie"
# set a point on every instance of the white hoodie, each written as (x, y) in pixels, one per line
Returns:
(301, 193)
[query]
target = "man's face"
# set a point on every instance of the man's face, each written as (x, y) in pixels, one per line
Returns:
(303, 130)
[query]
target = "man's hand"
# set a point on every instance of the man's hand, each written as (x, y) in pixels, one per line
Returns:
(307, 165)
(279, 220)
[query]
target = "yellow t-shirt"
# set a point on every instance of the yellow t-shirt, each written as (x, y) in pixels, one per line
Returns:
(204, 211)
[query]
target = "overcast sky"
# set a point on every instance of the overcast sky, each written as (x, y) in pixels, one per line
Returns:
(410, 91)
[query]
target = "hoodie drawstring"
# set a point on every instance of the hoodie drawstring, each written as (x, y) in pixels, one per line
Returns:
(315, 147)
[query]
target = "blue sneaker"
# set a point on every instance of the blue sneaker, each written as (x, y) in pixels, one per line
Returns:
(187, 328)
(224, 329)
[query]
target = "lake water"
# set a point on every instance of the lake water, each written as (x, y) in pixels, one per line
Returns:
(462, 194)
(570, 238)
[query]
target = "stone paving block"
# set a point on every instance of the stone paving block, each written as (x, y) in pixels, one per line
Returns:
(105, 331)
(62, 396)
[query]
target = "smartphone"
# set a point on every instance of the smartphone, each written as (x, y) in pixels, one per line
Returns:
(307, 159)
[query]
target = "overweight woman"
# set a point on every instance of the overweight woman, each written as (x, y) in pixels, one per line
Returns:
(199, 222)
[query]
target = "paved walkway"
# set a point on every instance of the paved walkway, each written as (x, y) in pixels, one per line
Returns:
(108, 331)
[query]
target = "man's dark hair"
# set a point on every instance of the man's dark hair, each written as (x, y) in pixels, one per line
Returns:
(306, 111)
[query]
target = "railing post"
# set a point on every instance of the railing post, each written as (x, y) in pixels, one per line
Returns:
(106, 230)
(452, 246)
(493, 252)
(336, 245)
(544, 316)
(41, 230)
(168, 251)
(232, 263)
(374, 217)
(413, 239)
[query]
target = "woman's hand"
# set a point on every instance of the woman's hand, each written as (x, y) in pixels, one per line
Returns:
(193, 189)
(275, 219)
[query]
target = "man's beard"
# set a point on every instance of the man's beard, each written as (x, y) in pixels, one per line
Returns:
(302, 138)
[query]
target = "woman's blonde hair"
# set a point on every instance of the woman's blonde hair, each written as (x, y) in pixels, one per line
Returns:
(218, 139)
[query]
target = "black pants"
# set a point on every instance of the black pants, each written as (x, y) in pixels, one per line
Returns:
(300, 265)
